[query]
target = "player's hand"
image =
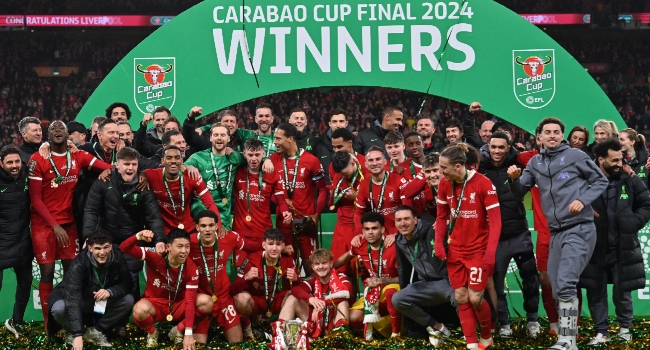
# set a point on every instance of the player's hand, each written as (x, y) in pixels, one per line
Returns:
(292, 275)
(72, 147)
(373, 282)
(355, 159)
(287, 217)
(314, 316)
(44, 150)
(161, 248)
(315, 218)
(647, 164)
(399, 170)
(221, 232)
(389, 240)
(101, 294)
(78, 343)
(267, 167)
(195, 112)
(145, 235)
(120, 144)
(596, 215)
(318, 304)
(288, 250)
(198, 131)
(290, 204)
(475, 107)
(514, 172)
(575, 207)
(520, 146)
(61, 236)
(228, 150)
(628, 170)
(253, 273)
(543, 279)
(189, 343)
(441, 254)
(193, 173)
(356, 241)
(146, 119)
(143, 182)
(105, 175)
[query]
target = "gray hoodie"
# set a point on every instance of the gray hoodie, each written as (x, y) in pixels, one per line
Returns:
(563, 175)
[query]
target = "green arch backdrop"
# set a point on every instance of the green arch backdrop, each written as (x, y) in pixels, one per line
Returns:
(221, 52)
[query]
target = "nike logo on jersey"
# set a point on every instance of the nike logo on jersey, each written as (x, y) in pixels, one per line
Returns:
(4, 190)
(373, 140)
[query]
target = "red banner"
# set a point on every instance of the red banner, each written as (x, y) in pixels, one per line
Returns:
(87, 21)
(12, 21)
(557, 18)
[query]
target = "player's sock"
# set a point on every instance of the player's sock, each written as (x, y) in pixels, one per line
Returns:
(146, 324)
(468, 322)
(549, 304)
(395, 317)
(484, 315)
(340, 323)
(44, 291)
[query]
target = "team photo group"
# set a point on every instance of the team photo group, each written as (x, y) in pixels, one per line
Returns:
(424, 236)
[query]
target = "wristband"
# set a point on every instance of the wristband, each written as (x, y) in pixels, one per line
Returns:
(188, 331)
(138, 236)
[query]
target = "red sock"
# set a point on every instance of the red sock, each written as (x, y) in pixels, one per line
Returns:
(146, 324)
(341, 322)
(468, 322)
(484, 315)
(549, 304)
(395, 317)
(44, 291)
(280, 320)
(245, 322)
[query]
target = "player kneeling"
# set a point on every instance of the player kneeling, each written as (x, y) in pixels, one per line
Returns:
(320, 301)
(381, 263)
(171, 291)
(264, 281)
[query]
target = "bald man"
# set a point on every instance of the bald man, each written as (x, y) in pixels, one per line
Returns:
(486, 131)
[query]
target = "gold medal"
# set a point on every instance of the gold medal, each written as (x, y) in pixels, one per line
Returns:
(214, 298)
(269, 314)
(181, 226)
(224, 201)
(170, 318)
(55, 184)
(449, 240)
(333, 207)
(248, 218)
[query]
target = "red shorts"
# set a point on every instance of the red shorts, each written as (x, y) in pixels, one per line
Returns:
(224, 314)
(467, 272)
(161, 306)
(259, 304)
(343, 235)
(541, 249)
(240, 255)
(307, 241)
(47, 250)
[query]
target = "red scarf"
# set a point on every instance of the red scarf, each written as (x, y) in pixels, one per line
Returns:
(336, 290)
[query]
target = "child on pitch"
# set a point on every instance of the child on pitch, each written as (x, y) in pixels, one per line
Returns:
(320, 301)
(264, 281)
(381, 263)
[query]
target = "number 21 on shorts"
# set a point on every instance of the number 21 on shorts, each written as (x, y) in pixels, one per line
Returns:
(476, 275)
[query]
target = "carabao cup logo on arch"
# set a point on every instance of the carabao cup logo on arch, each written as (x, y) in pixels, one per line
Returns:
(154, 83)
(533, 77)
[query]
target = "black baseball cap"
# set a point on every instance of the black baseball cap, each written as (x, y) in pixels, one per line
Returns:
(76, 126)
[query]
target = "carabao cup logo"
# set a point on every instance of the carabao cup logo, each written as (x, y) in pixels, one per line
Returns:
(155, 83)
(534, 77)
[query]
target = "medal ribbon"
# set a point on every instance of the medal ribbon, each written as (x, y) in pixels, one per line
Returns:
(178, 284)
(171, 199)
(292, 186)
(266, 282)
(101, 284)
(381, 194)
(412, 168)
(455, 213)
(379, 265)
(248, 188)
(338, 194)
(414, 256)
(68, 163)
(216, 176)
(208, 274)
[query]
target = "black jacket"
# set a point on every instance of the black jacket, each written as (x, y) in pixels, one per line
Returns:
(638, 164)
(323, 151)
(470, 136)
(306, 141)
(15, 238)
(427, 266)
(27, 149)
(80, 282)
(513, 212)
(632, 214)
(146, 141)
(371, 137)
(122, 210)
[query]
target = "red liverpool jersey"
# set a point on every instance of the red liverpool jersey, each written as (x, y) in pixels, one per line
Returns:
(392, 199)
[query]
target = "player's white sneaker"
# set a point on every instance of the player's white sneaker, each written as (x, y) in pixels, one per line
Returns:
(533, 329)
(152, 339)
(598, 339)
